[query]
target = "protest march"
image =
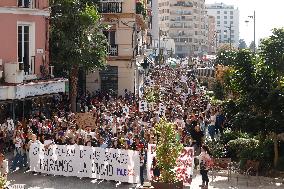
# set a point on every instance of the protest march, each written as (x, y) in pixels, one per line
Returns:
(114, 138)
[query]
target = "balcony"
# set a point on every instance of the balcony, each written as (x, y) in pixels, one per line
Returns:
(110, 7)
(141, 9)
(183, 4)
(32, 4)
(113, 50)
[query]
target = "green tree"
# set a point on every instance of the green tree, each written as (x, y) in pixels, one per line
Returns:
(251, 46)
(258, 79)
(242, 44)
(272, 51)
(168, 150)
(76, 39)
(225, 55)
(218, 90)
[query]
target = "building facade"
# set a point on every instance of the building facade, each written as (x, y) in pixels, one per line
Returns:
(187, 27)
(24, 53)
(227, 23)
(183, 22)
(128, 39)
(211, 34)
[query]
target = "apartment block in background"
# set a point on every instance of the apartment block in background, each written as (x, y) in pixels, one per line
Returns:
(227, 23)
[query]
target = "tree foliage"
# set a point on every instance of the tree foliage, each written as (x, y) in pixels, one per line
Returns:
(76, 40)
(242, 44)
(76, 36)
(168, 150)
(225, 55)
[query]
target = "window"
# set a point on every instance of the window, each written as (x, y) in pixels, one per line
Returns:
(196, 32)
(232, 31)
(232, 36)
(113, 48)
(225, 12)
(232, 22)
(24, 46)
(109, 79)
(225, 22)
(225, 36)
(218, 22)
(25, 3)
(218, 17)
(231, 17)
(218, 12)
(225, 17)
(231, 12)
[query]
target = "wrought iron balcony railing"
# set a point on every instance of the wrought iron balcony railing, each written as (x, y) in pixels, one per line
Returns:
(110, 7)
(113, 50)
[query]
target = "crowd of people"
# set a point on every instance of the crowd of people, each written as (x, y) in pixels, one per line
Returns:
(119, 121)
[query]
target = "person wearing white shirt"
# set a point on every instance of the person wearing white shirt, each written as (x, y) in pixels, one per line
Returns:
(211, 128)
(31, 142)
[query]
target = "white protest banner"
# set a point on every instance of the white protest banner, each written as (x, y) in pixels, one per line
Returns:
(185, 163)
(143, 106)
(85, 161)
(162, 109)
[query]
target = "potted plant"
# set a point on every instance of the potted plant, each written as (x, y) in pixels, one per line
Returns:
(168, 150)
(3, 182)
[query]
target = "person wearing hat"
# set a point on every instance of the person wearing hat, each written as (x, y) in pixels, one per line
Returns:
(3, 166)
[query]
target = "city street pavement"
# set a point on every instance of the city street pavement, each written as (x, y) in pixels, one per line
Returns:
(44, 181)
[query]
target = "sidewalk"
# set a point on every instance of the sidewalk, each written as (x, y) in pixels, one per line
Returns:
(239, 182)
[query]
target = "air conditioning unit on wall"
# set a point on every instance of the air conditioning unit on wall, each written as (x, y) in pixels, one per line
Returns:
(13, 73)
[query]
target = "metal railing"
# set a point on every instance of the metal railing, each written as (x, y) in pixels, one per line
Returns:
(110, 7)
(113, 50)
(32, 4)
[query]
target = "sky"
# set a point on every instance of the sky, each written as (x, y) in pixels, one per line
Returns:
(269, 15)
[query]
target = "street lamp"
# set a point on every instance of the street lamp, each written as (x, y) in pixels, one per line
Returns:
(254, 43)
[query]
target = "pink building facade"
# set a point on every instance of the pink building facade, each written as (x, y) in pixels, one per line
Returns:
(24, 34)
(25, 71)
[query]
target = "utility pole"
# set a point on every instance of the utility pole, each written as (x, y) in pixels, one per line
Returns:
(254, 32)
(254, 43)
(230, 28)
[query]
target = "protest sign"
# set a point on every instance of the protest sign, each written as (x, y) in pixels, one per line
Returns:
(162, 109)
(143, 106)
(85, 161)
(85, 120)
(185, 163)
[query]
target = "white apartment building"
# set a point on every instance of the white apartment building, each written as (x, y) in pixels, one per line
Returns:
(227, 23)
(182, 24)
